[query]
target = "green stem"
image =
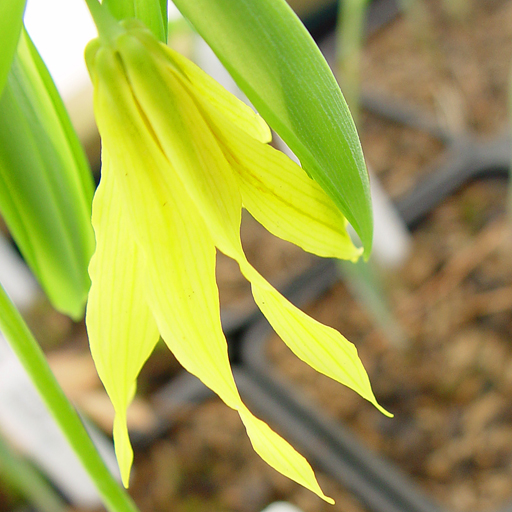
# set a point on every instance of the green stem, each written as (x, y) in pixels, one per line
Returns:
(12, 325)
(107, 25)
(349, 38)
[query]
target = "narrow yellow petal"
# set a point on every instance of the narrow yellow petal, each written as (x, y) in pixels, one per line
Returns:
(184, 300)
(226, 104)
(182, 291)
(178, 252)
(282, 197)
(318, 345)
(186, 140)
(123, 447)
(276, 452)
(122, 332)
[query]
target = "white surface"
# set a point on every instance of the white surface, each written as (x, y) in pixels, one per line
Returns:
(210, 63)
(60, 30)
(15, 276)
(391, 238)
(173, 13)
(281, 506)
(25, 421)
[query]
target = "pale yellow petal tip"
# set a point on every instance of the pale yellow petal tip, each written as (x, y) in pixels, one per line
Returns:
(125, 474)
(315, 488)
(381, 409)
(373, 400)
(279, 454)
(318, 491)
(123, 448)
(358, 252)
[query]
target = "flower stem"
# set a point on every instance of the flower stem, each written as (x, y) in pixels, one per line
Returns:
(107, 26)
(23, 343)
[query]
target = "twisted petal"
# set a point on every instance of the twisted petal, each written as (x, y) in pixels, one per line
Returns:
(320, 346)
(122, 332)
(179, 255)
(282, 197)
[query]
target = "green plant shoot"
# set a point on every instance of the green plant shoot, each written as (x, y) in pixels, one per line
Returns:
(11, 21)
(46, 185)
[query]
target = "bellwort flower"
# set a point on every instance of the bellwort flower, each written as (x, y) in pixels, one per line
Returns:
(181, 157)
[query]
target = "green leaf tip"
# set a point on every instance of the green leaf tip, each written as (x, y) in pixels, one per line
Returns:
(11, 21)
(46, 185)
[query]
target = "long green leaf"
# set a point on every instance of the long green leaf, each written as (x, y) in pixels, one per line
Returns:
(46, 185)
(153, 13)
(275, 62)
(11, 19)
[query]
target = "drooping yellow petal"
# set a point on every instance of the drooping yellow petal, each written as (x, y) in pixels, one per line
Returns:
(179, 255)
(185, 304)
(176, 250)
(188, 142)
(280, 455)
(318, 345)
(321, 347)
(122, 332)
(282, 197)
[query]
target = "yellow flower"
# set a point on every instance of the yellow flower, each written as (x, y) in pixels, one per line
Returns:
(181, 156)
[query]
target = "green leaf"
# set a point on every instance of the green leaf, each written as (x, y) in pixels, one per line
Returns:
(46, 185)
(275, 62)
(153, 13)
(11, 19)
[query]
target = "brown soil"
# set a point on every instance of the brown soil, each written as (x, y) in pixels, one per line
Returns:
(453, 67)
